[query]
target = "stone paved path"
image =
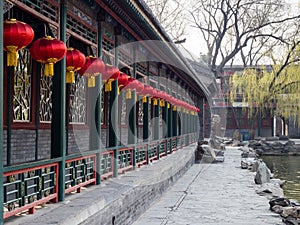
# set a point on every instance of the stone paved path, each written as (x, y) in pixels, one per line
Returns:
(221, 193)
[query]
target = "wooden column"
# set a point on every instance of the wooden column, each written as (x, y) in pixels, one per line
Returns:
(1, 114)
(58, 132)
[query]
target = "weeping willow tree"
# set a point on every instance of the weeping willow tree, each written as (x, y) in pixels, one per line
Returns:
(277, 89)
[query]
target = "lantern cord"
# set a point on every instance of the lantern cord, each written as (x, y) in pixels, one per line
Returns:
(10, 13)
(45, 27)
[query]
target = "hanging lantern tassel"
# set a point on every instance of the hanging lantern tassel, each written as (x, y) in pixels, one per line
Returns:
(144, 100)
(12, 55)
(49, 69)
(155, 102)
(70, 79)
(128, 94)
(174, 108)
(91, 81)
(168, 105)
(162, 103)
(108, 86)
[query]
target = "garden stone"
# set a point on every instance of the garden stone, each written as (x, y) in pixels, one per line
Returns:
(263, 174)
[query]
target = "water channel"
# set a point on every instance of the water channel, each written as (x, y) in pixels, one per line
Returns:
(286, 168)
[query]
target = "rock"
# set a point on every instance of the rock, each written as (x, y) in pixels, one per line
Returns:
(272, 138)
(294, 202)
(290, 221)
(279, 182)
(259, 151)
(270, 190)
(277, 209)
(289, 143)
(209, 154)
(256, 164)
(291, 211)
(283, 138)
(279, 201)
(263, 174)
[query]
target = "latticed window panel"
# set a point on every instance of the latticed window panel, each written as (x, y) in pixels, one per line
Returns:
(22, 88)
(141, 68)
(45, 98)
(125, 58)
(123, 109)
(81, 29)
(153, 76)
(140, 113)
(108, 45)
(102, 107)
(45, 7)
(78, 107)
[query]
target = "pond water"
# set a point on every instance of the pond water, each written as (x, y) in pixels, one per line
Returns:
(286, 168)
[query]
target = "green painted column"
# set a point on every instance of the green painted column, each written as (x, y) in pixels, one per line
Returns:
(113, 124)
(132, 131)
(169, 110)
(156, 125)
(132, 117)
(131, 104)
(165, 115)
(114, 109)
(97, 126)
(165, 125)
(156, 128)
(183, 125)
(170, 129)
(1, 114)
(95, 122)
(146, 117)
(98, 88)
(58, 132)
(174, 122)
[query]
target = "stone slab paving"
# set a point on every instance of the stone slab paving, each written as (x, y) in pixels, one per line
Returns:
(219, 193)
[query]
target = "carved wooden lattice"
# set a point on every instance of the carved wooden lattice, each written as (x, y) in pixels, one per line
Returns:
(46, 8)
(78, 100)
(123, 109)
(46, 98)
(22, 88)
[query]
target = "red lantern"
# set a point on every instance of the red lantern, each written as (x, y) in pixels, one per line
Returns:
(75, 59)
(147, 90)
(93, 67)
(131, 84)
(122, 80)
(16, 35)
(139, 87)
(109, 74)
(48, 50)
(161, 95)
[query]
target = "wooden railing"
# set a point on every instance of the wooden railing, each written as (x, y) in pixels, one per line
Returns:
(27, 186)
